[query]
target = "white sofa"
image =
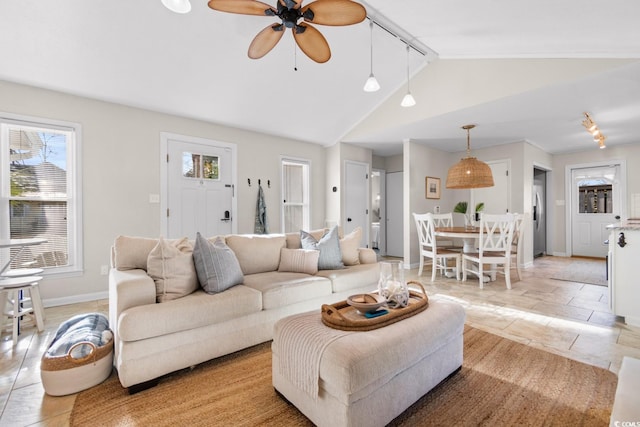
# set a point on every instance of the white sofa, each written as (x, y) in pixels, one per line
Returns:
(155, 338)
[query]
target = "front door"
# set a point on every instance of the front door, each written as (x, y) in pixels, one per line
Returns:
(595, 203)
(200, 187)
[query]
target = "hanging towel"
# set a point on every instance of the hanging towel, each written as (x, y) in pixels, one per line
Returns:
(261, 227)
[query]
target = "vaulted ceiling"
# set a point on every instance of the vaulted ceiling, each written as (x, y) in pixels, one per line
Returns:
(520, 72)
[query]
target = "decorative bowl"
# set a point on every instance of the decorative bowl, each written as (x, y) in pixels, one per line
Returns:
(366, 302)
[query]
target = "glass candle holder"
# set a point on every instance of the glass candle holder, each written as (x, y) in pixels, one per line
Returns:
(392, 285)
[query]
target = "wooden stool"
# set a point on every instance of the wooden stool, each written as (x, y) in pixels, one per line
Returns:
(13, 290)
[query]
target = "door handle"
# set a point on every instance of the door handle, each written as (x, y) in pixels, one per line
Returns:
(622, 242)
(227, 216)
(535, 213)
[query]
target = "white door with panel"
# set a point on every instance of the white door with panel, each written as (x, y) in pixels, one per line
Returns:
(496, 199)
(200, 188)
(595, 203)
(356, 199)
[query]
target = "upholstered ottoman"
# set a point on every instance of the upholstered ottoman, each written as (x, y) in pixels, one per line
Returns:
(345, 378)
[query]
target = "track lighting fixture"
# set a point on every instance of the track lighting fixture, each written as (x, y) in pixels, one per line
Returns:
(594, 130)
(371, 85)
(408, 100)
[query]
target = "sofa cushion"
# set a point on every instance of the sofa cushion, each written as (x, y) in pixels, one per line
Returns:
(283, 289)
(299, 260)
(329, 246)
(193, 311)
(132, 252)
(216, 264)
(257, 253)
(349, 245)
(356, 276)
(170, 265)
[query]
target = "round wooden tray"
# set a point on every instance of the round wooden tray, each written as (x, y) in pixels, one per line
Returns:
(345, 317)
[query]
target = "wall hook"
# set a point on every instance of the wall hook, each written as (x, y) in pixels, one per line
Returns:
(249, 181)
(269, 183)
(259, 182)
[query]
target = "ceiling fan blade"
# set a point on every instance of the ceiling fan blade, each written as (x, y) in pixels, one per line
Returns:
(245, 7)
(265, 41)
(334, 12)
(312, 43)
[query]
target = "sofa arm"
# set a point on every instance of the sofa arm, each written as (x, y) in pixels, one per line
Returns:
(128, 288)
(367, 256)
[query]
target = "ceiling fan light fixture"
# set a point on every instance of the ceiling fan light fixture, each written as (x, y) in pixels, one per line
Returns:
(469, 172)
(177, 6)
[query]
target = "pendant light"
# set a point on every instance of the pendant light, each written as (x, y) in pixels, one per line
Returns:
(469, 172)
(408, 100)
(371, 85)
(177, 6)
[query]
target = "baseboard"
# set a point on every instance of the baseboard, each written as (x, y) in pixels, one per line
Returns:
(54, 302)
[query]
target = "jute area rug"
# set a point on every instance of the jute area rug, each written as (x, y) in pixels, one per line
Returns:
(502, 383)
(584, 271)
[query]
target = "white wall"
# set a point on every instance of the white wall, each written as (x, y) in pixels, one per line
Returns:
(121, 167)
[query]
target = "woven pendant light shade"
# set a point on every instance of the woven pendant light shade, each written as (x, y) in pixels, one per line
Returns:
(469, 172)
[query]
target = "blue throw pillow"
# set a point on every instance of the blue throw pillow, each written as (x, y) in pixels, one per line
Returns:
(329, 246)
(217, 267)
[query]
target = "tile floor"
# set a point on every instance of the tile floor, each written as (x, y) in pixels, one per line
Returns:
(567, 318)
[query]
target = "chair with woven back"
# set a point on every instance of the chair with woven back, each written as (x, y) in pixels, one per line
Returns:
(496, 235)
(425, 225)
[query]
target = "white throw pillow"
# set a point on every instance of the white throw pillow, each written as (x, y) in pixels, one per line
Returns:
(170, 265)
(299, 260)
(349, 245)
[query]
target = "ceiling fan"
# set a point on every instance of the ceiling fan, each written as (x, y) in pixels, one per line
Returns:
(308, 38)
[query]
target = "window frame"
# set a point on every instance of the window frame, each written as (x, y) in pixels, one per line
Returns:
(74, 187)
(306, 203)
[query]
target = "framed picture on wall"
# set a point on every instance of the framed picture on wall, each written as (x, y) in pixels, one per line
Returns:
(432, 187)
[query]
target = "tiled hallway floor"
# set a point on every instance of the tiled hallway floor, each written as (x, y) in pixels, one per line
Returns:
(567, 318)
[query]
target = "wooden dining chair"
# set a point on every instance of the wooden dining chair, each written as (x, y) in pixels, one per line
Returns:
(496, 235)
(425, 224)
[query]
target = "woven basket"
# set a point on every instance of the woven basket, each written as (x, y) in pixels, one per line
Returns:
(59, 363)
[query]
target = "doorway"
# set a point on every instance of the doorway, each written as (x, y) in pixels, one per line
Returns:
(539, 214)
(596, 201)
(356, 199)
(395, 212)
(378, 214)
(197, 185)
(496, 199)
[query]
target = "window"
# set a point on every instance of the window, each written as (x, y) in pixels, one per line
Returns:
(39, 194)
(295, 195)
(200, 166)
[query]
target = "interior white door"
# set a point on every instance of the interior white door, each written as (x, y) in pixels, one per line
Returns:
(394, 208)
(595, 203)
(199, 189)
(496, 199)
(356, 199)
